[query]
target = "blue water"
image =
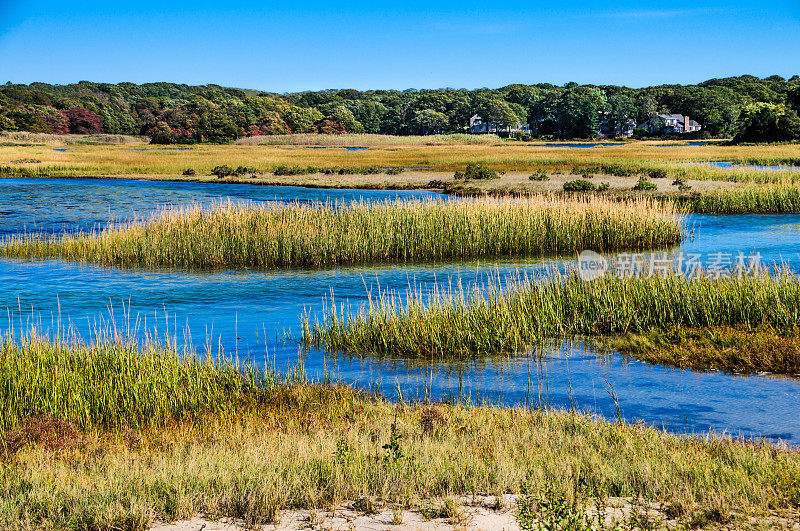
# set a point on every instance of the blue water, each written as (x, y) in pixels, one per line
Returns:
(250, 312)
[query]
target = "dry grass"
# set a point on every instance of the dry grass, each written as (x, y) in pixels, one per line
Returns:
(353, 140)
(322, 234)
(23, 138)
(316, 447)
(410, 152)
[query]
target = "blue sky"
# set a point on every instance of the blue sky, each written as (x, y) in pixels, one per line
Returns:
(312, 45)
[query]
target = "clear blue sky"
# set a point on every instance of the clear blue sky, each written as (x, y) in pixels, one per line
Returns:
(291, 46)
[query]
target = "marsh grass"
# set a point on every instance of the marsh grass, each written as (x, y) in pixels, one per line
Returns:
(749, 200)
(506, 318)
(115, 383)
(356, 140)
(146, 449)
(25, 138)
(740, 350)
(440, 155)
(317, 234)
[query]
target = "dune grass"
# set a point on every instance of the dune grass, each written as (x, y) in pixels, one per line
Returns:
(489, 320)
(99, 440)
(324, 234)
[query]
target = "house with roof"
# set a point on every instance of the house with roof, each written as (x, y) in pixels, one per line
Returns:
(670, 124)
(478, 127)
(607, 127)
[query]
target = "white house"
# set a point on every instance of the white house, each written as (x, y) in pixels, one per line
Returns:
(478, 127)
(670, 124)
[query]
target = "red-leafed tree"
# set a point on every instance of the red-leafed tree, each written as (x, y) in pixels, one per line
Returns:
(83, 121)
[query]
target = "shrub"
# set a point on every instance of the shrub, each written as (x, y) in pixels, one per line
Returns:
(222, 171)
(603, 187)
(579, 185)
(370, 170)
(680, 182)
(658, 173)
(241, 170)
(539, 175)
(644, 185)
(476, 171)
(189, 171)
(394, 171)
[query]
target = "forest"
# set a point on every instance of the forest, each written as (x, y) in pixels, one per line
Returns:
(745, 108)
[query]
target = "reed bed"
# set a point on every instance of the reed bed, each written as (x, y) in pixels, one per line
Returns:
(114, 383)
(749, 200)
(496, 318)
(301, 235)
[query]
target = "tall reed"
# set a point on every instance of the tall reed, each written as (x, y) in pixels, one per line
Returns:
(492, 319)
(115, 383)
(749, 200)
(318, 234)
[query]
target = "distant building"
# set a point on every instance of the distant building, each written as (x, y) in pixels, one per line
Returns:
(669, 124)
(478, 127)
(607, 127)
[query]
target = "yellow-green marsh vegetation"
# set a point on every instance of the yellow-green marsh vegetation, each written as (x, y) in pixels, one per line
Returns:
(429, 155)
(251, 451)
(491, 320)
(323, 234)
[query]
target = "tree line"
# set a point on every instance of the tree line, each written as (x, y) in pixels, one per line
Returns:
(748, 108)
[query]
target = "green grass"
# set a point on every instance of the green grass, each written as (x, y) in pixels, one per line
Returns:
(325, 234)
(113, 384)
(749, 200)
(106, 441)
(491, 320)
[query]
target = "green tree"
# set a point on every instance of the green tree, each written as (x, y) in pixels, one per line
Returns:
(428, 121)
(767, 122)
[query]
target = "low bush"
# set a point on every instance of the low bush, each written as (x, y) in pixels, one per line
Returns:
(579, 185)
(189, 172)
(476, 171)
(222, 171)
(644, 185)
(539, 175)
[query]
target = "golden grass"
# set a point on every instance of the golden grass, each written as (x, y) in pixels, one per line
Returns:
(323, 234)
(298, 445)
(410, 152)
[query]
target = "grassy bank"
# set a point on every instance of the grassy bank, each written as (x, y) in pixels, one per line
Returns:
(459, 324)
(723, 348)
(251, 450)
(322, 234)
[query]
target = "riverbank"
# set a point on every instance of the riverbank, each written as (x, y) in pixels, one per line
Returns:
(106, 446)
